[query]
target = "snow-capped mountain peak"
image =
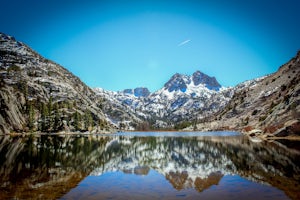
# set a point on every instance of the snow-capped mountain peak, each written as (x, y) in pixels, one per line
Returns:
(138, 92)
(177, 82)
(181, 98)
(210, 82)
(180, 82)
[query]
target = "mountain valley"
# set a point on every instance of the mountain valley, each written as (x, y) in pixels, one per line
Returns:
(38, 95)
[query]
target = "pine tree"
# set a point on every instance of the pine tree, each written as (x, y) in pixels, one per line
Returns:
(50, 105)
(50, 109)
(88, 120)
(77, 121)
(57, 118)
(44, 117)
(31, 117)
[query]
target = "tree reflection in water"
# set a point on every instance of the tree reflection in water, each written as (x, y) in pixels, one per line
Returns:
(47, 167)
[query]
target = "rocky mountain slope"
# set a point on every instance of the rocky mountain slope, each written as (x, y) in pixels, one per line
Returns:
(183, 98)
(270, 104)
(37, 94)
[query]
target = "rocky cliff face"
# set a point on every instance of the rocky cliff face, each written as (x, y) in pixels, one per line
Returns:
(177, 82)
(210, 82)
(39, 95)
(270, 103)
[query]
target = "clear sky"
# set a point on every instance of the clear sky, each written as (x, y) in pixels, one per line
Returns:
(126, 44)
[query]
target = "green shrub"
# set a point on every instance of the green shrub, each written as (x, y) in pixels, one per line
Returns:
(14, 68)
(262, 118)
(254, 112)
(283, 87)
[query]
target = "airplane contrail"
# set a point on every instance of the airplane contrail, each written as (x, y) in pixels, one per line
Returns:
(184, 42)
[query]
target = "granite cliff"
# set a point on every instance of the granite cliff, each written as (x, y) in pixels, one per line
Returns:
(37, 94)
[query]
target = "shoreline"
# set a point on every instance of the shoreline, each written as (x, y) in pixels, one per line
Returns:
(263, 137)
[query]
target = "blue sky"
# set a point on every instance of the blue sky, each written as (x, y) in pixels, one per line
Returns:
(126, 44)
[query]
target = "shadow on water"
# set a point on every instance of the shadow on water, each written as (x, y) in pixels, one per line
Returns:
(59, 166)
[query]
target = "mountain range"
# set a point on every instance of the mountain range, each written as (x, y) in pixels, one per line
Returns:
(182, 98)
(41, 96)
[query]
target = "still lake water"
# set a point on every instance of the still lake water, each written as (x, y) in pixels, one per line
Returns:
(170, 165)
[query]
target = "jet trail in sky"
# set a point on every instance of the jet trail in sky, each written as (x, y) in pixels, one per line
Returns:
(184, 42)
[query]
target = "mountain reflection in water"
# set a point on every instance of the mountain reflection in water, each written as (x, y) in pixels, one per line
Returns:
(65, 166)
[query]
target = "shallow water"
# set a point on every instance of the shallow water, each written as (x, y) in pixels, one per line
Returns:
(147, 165)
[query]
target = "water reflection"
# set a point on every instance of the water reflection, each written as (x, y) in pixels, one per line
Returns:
(47, 167)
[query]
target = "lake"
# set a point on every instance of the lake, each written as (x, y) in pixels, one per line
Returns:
(148, 165)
